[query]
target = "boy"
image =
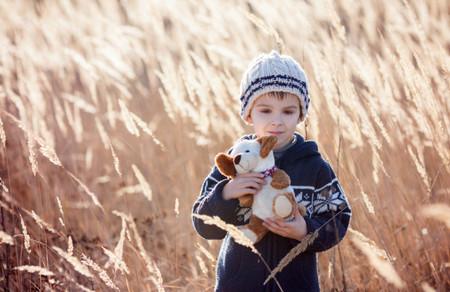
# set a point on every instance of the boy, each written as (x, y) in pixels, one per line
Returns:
(274, 99)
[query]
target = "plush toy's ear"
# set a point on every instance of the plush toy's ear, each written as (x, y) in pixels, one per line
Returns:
(225, 165)
(267, 144)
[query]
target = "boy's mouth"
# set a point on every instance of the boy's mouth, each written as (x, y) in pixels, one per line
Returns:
(275, 133)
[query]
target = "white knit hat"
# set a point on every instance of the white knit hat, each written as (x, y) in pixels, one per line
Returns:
(273, 72)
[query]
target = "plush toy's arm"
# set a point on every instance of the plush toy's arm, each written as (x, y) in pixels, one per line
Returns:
(302, 210)
(280, 179)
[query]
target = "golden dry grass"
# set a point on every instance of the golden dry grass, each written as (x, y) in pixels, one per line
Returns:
(111, 113)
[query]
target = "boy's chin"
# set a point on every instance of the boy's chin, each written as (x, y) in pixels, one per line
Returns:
(279, 144)
(282, 142)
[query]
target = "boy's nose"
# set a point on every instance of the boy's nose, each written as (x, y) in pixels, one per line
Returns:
(276, 120)
(237, 159)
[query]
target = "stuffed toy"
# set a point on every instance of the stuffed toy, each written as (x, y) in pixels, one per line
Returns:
(275, 199)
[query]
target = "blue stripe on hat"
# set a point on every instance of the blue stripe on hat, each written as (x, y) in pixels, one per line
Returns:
(299, 85)
(270, 77)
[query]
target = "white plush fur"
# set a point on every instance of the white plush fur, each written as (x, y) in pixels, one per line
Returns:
(249, 234)
(251, 161)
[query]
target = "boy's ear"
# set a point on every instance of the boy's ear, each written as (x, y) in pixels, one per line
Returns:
(300, 115)
(249, 120)
(267, 144)
(225, 165)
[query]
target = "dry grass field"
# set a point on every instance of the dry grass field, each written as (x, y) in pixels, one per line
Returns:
(111, 113)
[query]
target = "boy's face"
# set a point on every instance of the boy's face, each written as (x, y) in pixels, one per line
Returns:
(276, 117)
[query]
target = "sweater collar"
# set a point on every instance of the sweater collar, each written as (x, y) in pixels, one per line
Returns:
(299, 150)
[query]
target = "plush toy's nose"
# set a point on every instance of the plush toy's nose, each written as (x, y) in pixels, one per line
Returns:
(237, 159)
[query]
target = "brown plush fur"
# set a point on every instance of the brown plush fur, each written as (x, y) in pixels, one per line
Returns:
(255, 225)
(225, 165)
(246, 201)
(267, 144)
(291, 198)
(302, 210)
(280, 179)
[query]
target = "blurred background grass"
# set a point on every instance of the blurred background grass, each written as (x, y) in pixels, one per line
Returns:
(122, 105)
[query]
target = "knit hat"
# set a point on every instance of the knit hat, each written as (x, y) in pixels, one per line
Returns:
(273, 72)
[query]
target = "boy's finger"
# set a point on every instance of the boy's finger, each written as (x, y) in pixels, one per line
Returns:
(297, 213)
(250, 191)
(252, 185)
(257, 179)
(276, 222)
(253, 181)
(252, 174)
(260, 181)
(281, 223)
(274, 228)
(269, 224)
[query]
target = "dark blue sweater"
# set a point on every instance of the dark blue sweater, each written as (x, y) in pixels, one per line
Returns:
(315, 186)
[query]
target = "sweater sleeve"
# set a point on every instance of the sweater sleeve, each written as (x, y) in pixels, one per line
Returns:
(210, 202)
(328, 200)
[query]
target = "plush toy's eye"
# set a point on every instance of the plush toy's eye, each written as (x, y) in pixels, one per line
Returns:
(247, 151)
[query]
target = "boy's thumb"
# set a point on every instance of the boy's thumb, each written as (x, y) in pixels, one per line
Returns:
(296, 212)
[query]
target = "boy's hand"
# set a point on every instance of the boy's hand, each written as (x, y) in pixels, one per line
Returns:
(295, 229)
(243, 184)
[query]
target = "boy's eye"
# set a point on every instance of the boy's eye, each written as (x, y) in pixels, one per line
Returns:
(265, 111)
(289, 112)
